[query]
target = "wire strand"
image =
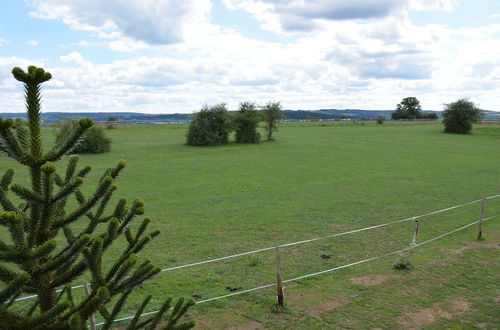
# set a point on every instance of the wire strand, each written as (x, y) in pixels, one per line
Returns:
(316, 273)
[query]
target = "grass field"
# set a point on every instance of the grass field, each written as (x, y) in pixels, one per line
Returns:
(318, 179)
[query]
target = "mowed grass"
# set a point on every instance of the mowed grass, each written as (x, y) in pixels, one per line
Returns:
(317, 179)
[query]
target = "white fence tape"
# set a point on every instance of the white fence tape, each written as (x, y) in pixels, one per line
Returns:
(314, 274)
(301, 242)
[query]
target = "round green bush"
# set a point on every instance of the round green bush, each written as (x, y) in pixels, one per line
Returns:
(210, 126)
(94, 140)
(459, 116)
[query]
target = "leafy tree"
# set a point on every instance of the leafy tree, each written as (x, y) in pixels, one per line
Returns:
(459, 116)
(409, 108)
(47, 250)
(210, 126)
(246, 120)
(380, 120)
(94, 140)
(271, 113)
(111, 118)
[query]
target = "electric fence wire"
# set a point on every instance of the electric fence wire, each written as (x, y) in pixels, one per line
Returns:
(317, 273)
(299, 242)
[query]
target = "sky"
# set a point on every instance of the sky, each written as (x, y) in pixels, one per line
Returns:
(174, 56)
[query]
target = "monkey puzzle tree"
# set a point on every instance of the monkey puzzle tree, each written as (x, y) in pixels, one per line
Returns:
(49, 250)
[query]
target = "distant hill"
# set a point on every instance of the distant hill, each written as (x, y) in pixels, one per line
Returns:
(49, 118)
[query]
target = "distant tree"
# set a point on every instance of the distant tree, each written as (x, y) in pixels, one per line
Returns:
(409, 108)
(459, 116)
(246, 120)
(54, 233)
(271, 113)
(380, 120)
(210, 126)
(93, 141)
(111, 118)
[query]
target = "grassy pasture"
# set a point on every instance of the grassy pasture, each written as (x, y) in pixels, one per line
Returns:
(318, 179)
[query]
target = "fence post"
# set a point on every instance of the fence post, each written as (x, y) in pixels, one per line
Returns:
(279, 279)
(413, 244)
(86, 288)
(415, 233)
(481, 216)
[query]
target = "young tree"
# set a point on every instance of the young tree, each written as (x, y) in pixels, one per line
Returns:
(380, 120)
(47, 250)
(271, 113)
(409, 108)
(245, 121)
(459, 116)
(210, 126)
(111, 119)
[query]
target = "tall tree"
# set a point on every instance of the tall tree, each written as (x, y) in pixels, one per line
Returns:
(408, 108)
(271, 113)
(459, 116)
(49, 250)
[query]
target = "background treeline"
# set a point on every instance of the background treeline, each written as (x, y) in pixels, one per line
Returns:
(49, 118)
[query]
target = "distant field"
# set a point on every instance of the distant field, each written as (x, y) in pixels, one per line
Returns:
(318, 179)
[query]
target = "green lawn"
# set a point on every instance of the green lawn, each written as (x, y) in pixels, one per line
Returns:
(318, 179)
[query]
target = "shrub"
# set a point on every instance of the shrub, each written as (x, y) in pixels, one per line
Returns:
(210, 126)
(459, 116)
(245, 121)
(402, 263)
(271, 113)
(111, 118)
(380, 120)
(94, 140)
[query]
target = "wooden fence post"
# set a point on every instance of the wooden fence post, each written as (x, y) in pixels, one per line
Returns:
(279, 279)
(415, 233)
(413, 243)
(86, 288)
(481, 216)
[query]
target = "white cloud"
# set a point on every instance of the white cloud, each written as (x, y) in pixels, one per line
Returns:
(369, 62)
(307, 15)
(154, 22)
(33, 43)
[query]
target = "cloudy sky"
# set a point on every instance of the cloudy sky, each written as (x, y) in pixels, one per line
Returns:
(167, 56)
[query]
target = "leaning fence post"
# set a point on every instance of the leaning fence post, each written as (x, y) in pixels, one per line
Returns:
(86, 288)
(413, 243)
(481, 216)
(279, 279)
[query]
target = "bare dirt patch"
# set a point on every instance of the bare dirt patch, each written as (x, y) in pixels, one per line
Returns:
(460, 306)
(328, 306)
(372, 280)
(252, 325)
(471, 245)
(427, 316)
